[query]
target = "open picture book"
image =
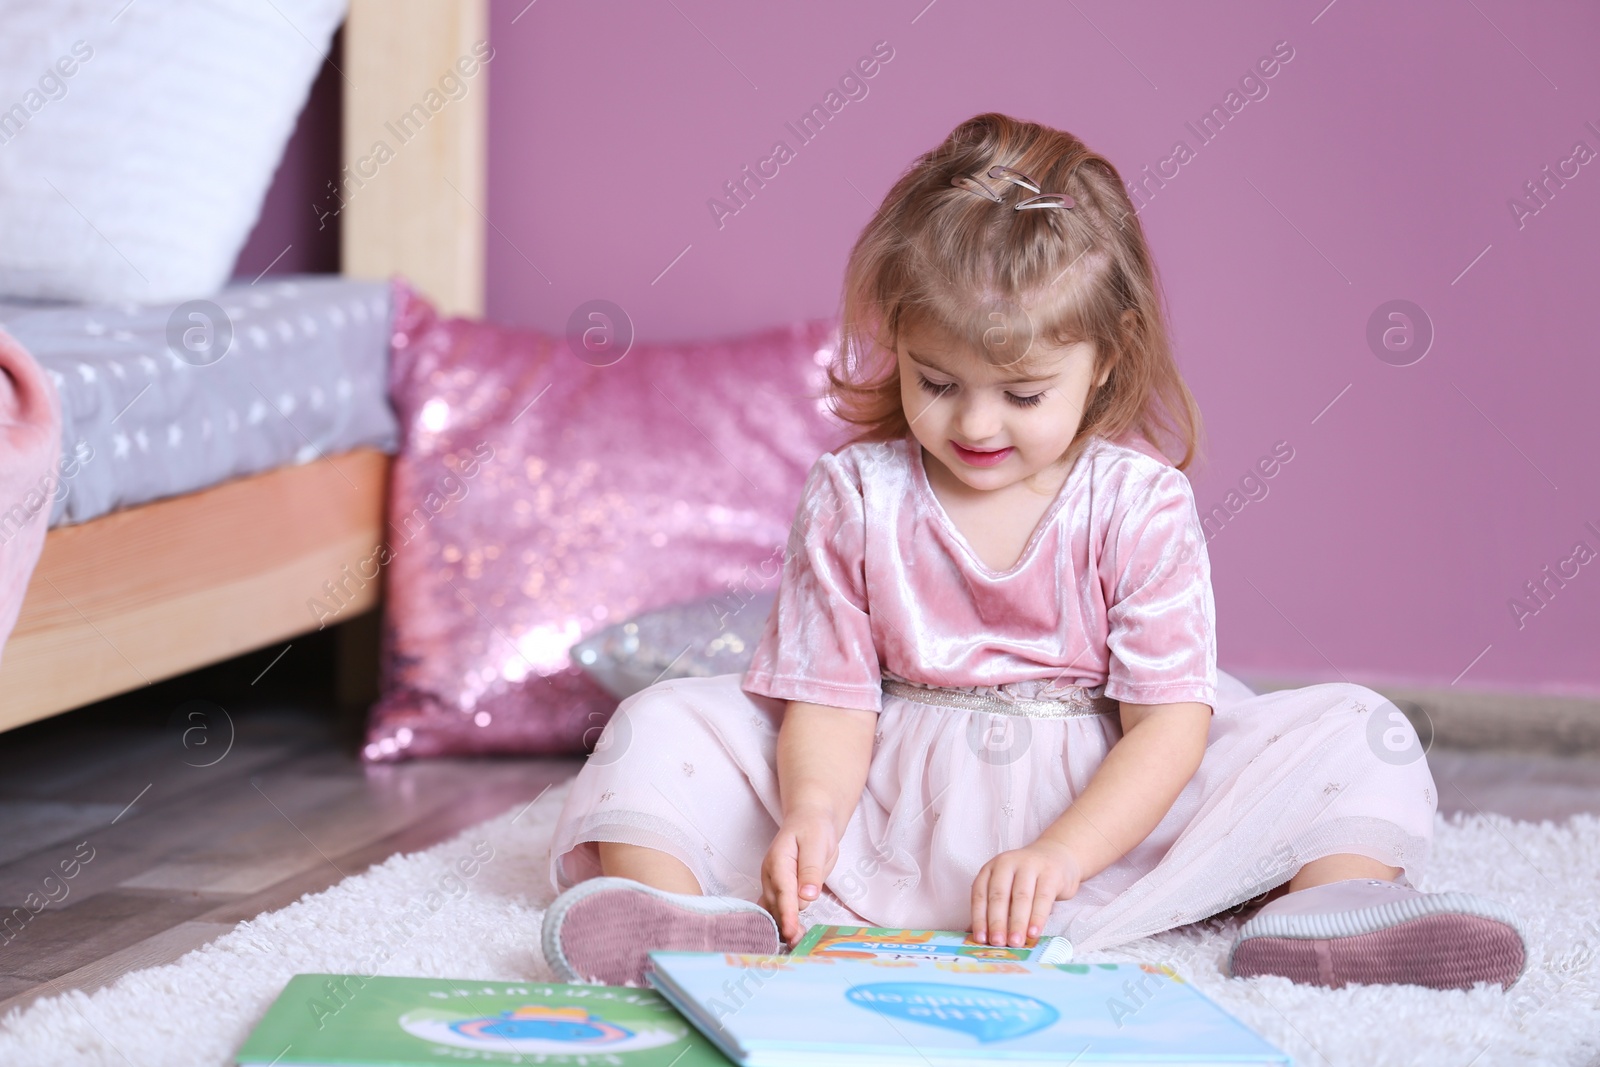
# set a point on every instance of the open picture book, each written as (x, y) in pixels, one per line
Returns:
(813, 1011)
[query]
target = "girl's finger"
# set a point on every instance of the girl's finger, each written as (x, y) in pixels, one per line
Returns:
(783, 889)
(1043, 901)
(999, 900)
(811, 860)
(1021, 907)
(980, 903)
(769, 893)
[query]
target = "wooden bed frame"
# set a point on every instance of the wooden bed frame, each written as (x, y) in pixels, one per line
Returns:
(149, 592)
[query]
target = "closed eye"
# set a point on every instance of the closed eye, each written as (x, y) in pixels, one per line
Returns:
(945, 388)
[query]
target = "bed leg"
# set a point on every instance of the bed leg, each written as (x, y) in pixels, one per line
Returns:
(357, 670)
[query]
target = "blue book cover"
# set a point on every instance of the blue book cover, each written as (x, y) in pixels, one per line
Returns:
(778, 1011)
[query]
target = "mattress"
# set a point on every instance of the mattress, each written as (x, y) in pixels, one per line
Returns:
(163, 399)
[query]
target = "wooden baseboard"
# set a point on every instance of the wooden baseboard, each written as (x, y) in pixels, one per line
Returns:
(1475, 719)
(150, 592)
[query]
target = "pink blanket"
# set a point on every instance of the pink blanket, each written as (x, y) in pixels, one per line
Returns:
(30, 448)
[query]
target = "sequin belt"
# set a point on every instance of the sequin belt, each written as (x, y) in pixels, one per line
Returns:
(1072, 702)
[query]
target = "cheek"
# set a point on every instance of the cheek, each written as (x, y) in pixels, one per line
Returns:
(1049, 428)
(911, 397)
(928, 429)
(922, 408)
(1040, 430)
(913, 402)
(1075, 397)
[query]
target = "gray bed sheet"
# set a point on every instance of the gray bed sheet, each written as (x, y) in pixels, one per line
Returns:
(163, 399)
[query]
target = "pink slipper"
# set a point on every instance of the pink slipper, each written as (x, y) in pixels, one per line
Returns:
(1372, 932)
(602, 930)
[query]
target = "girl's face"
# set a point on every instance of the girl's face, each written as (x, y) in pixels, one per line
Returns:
(994, 426)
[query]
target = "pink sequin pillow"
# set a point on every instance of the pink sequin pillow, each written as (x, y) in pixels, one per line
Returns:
(547, 487)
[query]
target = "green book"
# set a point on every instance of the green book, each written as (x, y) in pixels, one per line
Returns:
(878, 942)
(342, 1020)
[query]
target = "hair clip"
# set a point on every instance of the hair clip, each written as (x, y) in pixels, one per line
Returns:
(973, 185)
(1046, 200)
(1014, 176)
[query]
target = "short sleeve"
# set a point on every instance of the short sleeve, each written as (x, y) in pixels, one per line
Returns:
(1156, 578)
(817, 646)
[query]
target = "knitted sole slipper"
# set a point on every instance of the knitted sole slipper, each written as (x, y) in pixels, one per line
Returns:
(602, 930)
(1439, 940)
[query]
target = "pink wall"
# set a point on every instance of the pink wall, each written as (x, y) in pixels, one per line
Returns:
(295, 233)
(1378, 166)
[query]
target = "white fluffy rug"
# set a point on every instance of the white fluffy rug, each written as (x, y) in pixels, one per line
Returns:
(420, 915)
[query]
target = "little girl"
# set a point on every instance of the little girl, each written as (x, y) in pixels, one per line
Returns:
(987, 696)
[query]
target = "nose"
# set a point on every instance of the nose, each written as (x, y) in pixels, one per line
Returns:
(977, 418)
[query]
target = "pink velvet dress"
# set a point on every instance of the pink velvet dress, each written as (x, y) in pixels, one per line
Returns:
(996, 694)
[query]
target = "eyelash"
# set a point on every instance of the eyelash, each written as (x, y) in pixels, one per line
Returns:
(943, 389)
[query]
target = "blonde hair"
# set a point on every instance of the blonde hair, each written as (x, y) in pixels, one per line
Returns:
(942, 257)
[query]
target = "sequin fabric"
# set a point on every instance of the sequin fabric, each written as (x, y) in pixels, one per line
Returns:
(537, 498)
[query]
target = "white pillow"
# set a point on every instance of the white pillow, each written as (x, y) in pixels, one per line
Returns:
(137, 139)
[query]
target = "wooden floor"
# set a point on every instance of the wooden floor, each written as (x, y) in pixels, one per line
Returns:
(189, 834)
(213, 797)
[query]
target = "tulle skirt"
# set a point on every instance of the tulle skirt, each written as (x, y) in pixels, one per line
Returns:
(688, 767)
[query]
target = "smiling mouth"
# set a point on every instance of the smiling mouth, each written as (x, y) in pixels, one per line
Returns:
(981, 457)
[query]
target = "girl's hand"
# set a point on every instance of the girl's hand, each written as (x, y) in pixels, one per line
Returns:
(800, 859)
(1013, 893)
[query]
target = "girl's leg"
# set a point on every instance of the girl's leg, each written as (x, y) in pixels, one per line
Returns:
(647, 865)
(1299, 790)
(684, 774)
(662, 824)
(1346, 917)
(1338, 868)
